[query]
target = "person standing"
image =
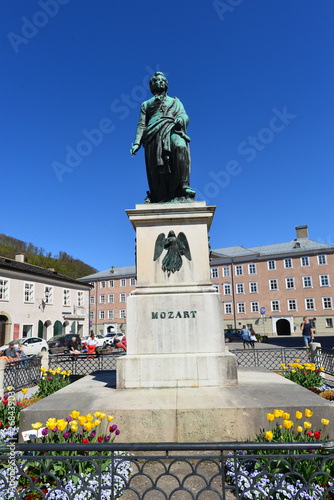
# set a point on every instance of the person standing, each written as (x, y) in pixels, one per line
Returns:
(245, 335)
(252, 338)
(91, 344)
(308, 334)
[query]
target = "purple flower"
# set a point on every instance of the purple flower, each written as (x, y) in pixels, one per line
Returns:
(117, 432)
(106, 438)
(68, 419)
(86, 452)
(66, 435)
(93, 434)
(55, 429)
(5, 396)
(113, 428)
(45, 432)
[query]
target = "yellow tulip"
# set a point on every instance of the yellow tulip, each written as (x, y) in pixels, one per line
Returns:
(82, 420)
(50, 370)
(61, 424)
(299, 429)
(308, 413)
(97, 414)
(37, 426)
(110, 418)
(270, 417)
(102, 415)
(53, 372)
(74, 425)
(307, 425)
(286, 416)
(269, 435)
(89, 426)
(297, 360)
(68, 372)
(278, 413)
(63, 373)
(24, 391)
(43, 369)
(9, 388)
(287, 424)
(74, 414)
(58, 369)
(97, 423)
(299, 415)
(321, 368)
(293, 371)
(51, 423)
(324, 421)
(89, 417)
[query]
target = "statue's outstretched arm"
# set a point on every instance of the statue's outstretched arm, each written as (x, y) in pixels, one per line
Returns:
(140, 130)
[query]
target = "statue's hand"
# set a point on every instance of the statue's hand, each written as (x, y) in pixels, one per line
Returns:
(134, 149)
(178, 123)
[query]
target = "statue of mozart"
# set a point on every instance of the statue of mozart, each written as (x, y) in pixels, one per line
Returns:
(162, 130)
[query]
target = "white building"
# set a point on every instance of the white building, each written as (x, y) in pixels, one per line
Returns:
(38, 302)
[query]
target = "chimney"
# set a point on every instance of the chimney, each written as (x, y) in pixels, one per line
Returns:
(301, 232)
(19, 257)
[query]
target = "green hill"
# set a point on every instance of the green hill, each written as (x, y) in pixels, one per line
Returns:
(62, 263)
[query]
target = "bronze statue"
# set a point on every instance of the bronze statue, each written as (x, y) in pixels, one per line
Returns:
(176, 247)
(162, 130)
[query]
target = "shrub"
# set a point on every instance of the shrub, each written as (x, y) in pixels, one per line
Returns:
(328, 395)
(306, 375)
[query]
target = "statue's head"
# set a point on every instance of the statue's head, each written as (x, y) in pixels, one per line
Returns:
(158, 83)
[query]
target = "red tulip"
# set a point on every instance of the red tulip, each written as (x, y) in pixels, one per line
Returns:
(317, 434)
(85, 440)
(100, 439)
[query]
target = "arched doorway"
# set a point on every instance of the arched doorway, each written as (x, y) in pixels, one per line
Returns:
(3, 321)
(283, 327)
(47, 329)
(57, 328)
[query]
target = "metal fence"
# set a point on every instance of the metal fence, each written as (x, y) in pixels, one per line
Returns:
(23, 373)
(270, 358)
(80, 365)
(169, 471)
(325, 358)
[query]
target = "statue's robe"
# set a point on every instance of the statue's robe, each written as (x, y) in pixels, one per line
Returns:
(167, 153)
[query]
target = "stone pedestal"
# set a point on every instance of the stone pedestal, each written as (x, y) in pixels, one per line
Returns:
(175, 326)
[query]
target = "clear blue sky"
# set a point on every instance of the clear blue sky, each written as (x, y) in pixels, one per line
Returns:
(255, 77)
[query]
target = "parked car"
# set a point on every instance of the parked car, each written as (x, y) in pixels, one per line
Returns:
(232, 335)
(109, 338)
(99, 338)
(60, 343)
(31, 345)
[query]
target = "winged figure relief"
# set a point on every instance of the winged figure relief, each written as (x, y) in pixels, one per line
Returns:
(176, 247)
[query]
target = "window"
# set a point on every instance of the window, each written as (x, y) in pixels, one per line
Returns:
(91, 315)
(226, 272)
(288, 263)
(292, 305)
(327, 303)
(304, 261)
(102, 314)
(102, 299)
(29, 292)
(229, 326)
(290, 283)
(275, 306)
(253, 287)
(227, 289)
(27, 331)
(322, 260)
(110, 314)
(241, 308)
(271, 265)
(240, 288)
(228, 307)
(123, 282)
(309, 304)
(92, 283)
(4, 289)
(122, 297)
(48, 295)
(80, 299)
(110, 298)
(251, 268)
(66, 297)
(122, 314)
(329, 323)
(111, 284)
(216, 287)
(92, 300)
(273, 284)
(102, 284)
(324, 280)
(307, 282)
(238, 270)
(132, 281)
(214, 272)
(255, 307)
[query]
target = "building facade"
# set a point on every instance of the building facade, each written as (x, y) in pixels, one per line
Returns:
(286, 281)
(38, 302)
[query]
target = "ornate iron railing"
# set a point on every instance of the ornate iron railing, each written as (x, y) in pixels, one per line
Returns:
(80, 365)
(168, 471)
(325, 358)
(23, 373)
(270, 358)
